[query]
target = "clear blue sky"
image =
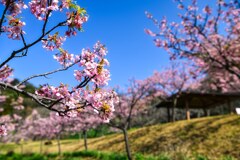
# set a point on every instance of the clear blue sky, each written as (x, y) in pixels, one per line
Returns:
(117, 23)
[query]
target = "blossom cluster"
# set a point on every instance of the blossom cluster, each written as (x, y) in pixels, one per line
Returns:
(53, 92)
(10, 123)
(14, 28)
(93, 64)
(17, 104)
(65, 58)
(3, 99)
(3, 130)
(75, 21)
(92, 69)
(5, 72)
(53, 42)
(103, 102)
(15, 25)
(99, 100)
(40, 8)
(15, 7)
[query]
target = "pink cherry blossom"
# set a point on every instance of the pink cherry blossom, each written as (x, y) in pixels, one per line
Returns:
(14, 28)
(5, 72)
(3, 130)
(15, 7)
(3, 98)
(40, 8)
(53, 42)
(75, 22)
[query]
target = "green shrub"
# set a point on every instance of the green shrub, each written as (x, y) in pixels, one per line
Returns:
(163, 157)
(201, 157)
(227, 158)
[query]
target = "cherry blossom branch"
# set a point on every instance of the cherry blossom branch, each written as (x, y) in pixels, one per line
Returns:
(225, 66)
(47, 16)
(81, 85)
(217, 19)
(25, 44)
(46, 73)
(3, 15)
(30, 95)
(45, 22)
(38, 99)
(13, 55)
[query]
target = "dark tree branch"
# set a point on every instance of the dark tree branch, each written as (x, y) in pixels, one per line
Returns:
(14, 53)
(45, 22)
(45, 74)
(3, 15)
(38, 99)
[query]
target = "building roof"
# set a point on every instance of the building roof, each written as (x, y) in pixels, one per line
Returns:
(200, 100)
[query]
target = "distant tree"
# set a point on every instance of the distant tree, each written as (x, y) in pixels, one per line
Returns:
(173, 80)
(130, 104)
(82, 122)
(34, 128)
(55, 126)
(13, 122)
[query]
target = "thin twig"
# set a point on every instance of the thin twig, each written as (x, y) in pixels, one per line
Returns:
(47, 73)
(3, 15)
(30, 45)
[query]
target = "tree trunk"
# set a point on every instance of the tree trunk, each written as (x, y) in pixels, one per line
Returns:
(41, 145)
(198, 114)
(168, 114)
(127, 144)
(79, 136)
(85, 140)
(206, 112)
(59, 144)
(229, 106)
(21, 147)
(173, 109)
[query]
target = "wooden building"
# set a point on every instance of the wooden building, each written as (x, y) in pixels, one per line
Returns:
(197, 100)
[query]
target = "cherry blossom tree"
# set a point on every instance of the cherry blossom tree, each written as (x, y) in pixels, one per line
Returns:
(3, 130)
(92, 74)
(207, 36)
(34, 127)
(54, 126)
(130, 104)
(13, 122)
(174, 80)
(84, 121)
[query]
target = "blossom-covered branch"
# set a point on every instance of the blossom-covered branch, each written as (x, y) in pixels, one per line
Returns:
(207, 36)
(92, 73)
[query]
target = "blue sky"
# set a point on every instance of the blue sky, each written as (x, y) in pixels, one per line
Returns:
(119, 24)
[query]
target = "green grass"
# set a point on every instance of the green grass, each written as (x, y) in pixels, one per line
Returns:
(214, 137)
(94, 155)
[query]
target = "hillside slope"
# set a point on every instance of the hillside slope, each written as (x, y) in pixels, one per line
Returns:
(212, 136)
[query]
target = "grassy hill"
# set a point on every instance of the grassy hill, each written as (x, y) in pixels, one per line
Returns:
(211, 136)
